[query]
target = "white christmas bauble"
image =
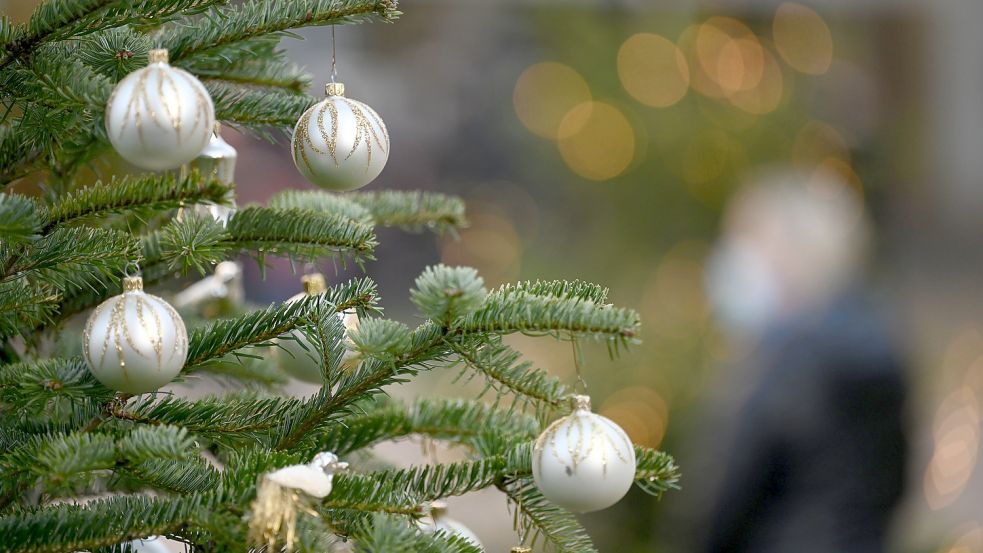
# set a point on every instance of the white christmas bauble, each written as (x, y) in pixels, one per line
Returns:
(339, 143)
(159, 117)
(297, 356)
(153, 544)
(583, 462)
(135, 342)
(440, 521)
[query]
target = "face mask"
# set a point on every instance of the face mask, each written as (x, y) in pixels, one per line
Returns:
(742, 288)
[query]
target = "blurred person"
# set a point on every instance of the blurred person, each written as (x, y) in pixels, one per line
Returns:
(816, 460)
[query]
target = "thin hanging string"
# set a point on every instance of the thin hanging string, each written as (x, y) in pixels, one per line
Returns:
(577, 353)
(334, 57)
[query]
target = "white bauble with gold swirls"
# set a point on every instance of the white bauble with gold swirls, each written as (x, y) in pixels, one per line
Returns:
(297, 356)
(135, 342)
(583, 462)
(340, 144)
(159, 117)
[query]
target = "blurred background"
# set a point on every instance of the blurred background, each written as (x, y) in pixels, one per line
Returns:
(607, 140)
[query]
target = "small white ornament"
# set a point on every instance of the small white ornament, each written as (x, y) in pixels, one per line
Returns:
(159, 117)
(440, 521)
(297, 356)
(339, 143)
(135, 342)
(153, 544)
(583, 462)
(273, 517)
(217, 161)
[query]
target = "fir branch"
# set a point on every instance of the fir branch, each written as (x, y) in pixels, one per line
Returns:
(185, 476)
(115, 53)
(56, 20)
(69, 257)
(140, 194)
(564, 289)
(361, 382)
(55, 77)
(506, 372)
(220, 338)
(253, 19)
(257, 109)
(19, 218)
(231, 421)
(518, 311)
(272, 72)
(656, 472)
(32, 387)
(194, 241)
(380, 338)
(413, 210)
(445, 293)
(55, 460)
(25, 306)
(66, 527)
(543, 520)
(466, 422)
(388, 534)
(318, 200)
(301, 233)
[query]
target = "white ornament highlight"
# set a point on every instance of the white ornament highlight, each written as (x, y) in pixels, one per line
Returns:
(583, 462)
(159, 117)
(339, 143)
(217, 161)
(135, 342)
(153, 544)
(439, 520)
(298, 357)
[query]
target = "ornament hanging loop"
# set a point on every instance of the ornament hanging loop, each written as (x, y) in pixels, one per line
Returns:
(334, 57)
(132, 269)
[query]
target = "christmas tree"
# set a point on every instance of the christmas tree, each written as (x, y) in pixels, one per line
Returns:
(94, 458)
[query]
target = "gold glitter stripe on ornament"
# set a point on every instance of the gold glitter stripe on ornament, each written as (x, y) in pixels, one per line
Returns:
(173, 115)
(581, 450)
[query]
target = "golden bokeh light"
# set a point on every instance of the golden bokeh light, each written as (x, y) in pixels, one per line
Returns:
(730, 54)
(544, 94)
(728, 62)
(817, 142)
(802, 38)
(640, 411)
(968, 539)
(491, 244)
(674, 299)
(956, 436)
(768, 91)
(653, 70)
(597, 141)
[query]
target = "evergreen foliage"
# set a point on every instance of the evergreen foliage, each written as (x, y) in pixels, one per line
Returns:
(158, 464)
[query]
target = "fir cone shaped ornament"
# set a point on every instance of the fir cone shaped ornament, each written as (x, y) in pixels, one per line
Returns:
(440, 521)
(583, 462)
(159, 117)
(135, 342)
(217, 161)
(297, 356)
(339, 143)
